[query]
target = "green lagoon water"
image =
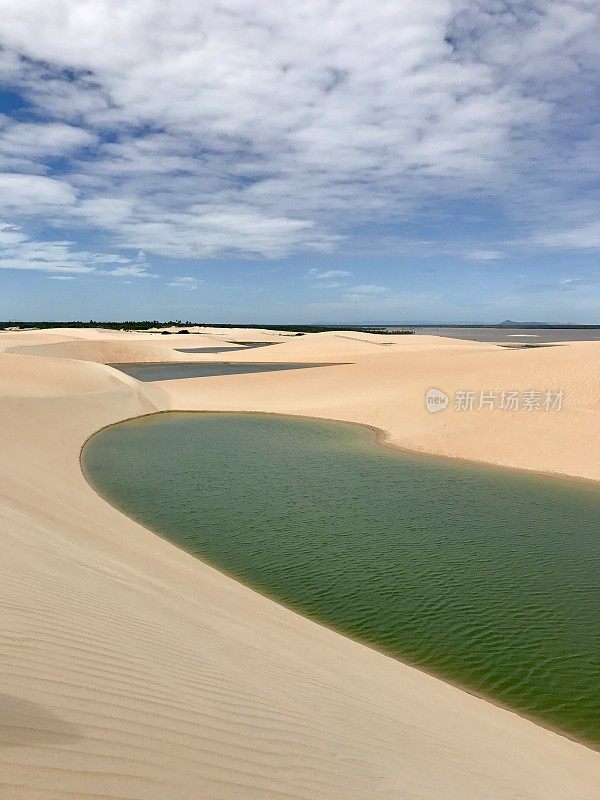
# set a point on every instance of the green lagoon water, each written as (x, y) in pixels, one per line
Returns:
(487, 578)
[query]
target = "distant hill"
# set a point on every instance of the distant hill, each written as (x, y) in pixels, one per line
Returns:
(510, 323)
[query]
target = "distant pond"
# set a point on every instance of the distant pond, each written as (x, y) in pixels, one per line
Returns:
(175, 370)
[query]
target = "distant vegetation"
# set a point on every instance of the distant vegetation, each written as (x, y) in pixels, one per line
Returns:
(390, 330)
(133, 325)
(128, 325)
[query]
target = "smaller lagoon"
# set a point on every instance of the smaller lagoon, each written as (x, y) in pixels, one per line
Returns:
(174, 370)
(225, 349)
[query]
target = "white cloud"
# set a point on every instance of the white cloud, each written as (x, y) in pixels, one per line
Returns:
(36, 140)
(60, 277)
(322, 275)
(367, 288)
(19, 252)
(579, 237)
(265, 129)
(328, 278)
(130, 271)
(185, 282)
(31, 194)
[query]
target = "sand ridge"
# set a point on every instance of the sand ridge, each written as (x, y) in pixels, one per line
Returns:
(132, 670)
(115, 348)
(385, 387)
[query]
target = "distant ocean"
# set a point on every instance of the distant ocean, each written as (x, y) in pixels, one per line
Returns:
(514, 335)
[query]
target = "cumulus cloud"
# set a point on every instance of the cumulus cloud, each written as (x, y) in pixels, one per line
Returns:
(19, 252)
(267, 129)
(39, 139)
(31, 194)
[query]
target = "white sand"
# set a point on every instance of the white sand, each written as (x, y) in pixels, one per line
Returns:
(131, 670)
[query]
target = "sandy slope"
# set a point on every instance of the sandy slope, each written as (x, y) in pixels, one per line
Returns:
(110, 347)
(131, 670)
(385, 385)
(234, 334)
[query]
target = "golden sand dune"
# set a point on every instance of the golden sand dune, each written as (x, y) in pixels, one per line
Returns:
(231, 334)
(385, 386)
(132, 670)
(343, 346)
(116, 348)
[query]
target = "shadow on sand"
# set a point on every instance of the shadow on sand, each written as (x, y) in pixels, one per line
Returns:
(25, 723)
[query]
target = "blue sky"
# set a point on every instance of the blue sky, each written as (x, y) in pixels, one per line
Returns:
(314, 162)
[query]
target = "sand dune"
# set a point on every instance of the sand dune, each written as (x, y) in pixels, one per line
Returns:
(233, 334)
(131, 670)
(385, 386)
(115, 348)
(346, 346)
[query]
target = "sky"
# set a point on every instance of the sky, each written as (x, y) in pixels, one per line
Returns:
(323, 161)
